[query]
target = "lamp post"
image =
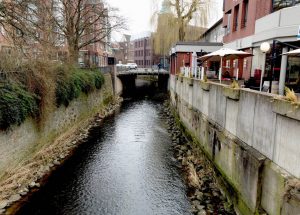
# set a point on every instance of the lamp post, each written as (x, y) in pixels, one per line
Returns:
(221, 67)
(264, 47)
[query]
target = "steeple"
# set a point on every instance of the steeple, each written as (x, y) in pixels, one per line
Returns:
(165, 7)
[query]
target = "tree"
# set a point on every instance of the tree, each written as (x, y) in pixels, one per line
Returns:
(179, 20)
(55, 23)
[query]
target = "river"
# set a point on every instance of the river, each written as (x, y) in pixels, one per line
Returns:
(125, 167)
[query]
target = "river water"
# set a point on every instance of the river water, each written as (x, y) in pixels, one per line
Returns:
(125, 167)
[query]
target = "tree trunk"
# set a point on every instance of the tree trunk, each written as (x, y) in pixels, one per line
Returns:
(73, 53)
(181, 31)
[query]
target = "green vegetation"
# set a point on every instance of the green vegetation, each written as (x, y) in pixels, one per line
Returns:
(70, 85)
(16, 104)
(31, 93)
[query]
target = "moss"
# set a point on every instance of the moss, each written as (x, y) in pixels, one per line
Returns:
(226, 183)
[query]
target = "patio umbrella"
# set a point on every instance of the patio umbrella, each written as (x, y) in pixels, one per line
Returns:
(224, 53)
(294, 53)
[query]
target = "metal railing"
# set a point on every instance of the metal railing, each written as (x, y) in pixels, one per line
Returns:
(191, 72)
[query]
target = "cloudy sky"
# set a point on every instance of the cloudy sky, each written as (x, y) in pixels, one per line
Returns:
(139, 12)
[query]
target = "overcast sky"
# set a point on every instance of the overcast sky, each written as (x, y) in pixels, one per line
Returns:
(138, 14)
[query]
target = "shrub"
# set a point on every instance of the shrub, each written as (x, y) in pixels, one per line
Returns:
(71, 84)
(34, 89)
(16, 104)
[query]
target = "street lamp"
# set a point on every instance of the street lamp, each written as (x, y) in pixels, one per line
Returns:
(221, 66)
(264, 47)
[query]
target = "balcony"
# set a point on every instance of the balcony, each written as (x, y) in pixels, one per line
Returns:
(280, 24)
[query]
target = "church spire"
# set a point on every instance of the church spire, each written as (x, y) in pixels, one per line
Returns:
(165, 7)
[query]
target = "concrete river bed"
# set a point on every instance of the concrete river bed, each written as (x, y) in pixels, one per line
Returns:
(126, 166)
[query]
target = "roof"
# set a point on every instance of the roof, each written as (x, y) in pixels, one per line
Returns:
(197, 43)
(213, 26)
(195, 47)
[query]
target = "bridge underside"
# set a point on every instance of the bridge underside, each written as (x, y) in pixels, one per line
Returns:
(129, 80)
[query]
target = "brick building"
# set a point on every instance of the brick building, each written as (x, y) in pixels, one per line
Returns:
(143, 52)
(239, 23)
(94, 54)
(249, 23)
(181, 53)
(123, 50)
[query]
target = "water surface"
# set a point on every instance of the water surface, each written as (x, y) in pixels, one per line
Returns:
(125, 167)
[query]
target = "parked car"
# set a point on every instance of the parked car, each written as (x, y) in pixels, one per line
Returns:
(132, 65)
(82, 65)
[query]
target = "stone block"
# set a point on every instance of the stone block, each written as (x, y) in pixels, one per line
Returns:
(212, 107)
(205, 102)
(246, 116)
(246, 176)
(220, 106)
(287, 150)
(273, 188)
(231, 116)
(286, 108)
(264, 126)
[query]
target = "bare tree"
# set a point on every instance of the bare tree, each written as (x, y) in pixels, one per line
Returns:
(55, 23)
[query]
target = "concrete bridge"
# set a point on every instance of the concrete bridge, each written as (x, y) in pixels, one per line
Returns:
(142, 71)
(126, 79)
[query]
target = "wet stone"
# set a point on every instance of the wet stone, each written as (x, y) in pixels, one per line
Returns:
(15, 198)
(3, 204)
(202, 212)
(56, 162)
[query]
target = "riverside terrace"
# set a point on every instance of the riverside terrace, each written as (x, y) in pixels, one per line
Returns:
(251, 137)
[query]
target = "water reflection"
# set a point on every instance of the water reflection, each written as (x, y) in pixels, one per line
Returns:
(125, 168)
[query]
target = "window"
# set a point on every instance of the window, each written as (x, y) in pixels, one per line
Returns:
(245, 13)
(236, 18)
(228, 26)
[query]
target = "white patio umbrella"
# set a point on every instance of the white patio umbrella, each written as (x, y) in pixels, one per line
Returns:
(224, 53)
(294, 53)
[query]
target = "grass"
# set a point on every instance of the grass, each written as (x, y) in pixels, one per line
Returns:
(290, 95)
(234, 85)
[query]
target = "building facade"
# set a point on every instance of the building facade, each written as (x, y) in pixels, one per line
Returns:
(143, 52)
(215, 33)
(249, 23)
(181, 54)
(97, 53)
(123, 50)
(93, 54)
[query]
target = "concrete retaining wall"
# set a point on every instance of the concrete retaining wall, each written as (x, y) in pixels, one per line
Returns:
(252, 138)
(20, 142)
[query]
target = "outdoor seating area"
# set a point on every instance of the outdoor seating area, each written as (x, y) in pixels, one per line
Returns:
(260, 82)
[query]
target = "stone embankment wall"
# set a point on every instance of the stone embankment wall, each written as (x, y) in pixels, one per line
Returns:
(251, 137)
(20, 143)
